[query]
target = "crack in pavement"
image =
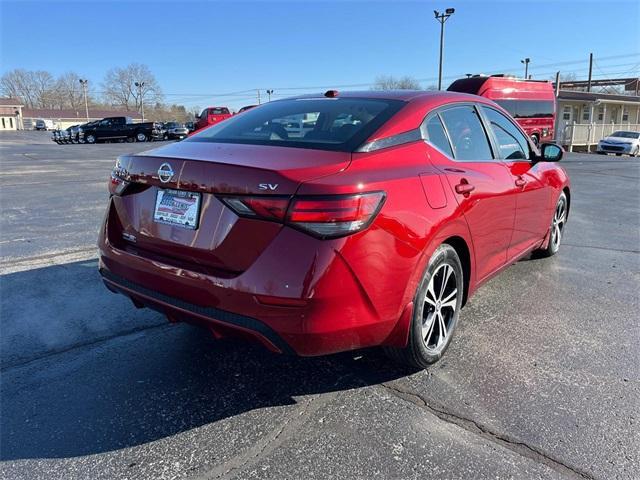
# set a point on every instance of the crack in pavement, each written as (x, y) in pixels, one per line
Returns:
(104, 339)
(621, 250)
(266, 445)
(477, 428)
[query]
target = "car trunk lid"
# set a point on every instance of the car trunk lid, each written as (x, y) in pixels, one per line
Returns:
(222, 241)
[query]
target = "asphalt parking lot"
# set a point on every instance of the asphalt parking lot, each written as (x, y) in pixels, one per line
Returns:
(542, 380)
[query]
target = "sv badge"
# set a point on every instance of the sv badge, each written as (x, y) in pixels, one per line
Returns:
(267, 186)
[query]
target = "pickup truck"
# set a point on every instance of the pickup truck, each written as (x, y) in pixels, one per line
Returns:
(211, 116)
(120, 128)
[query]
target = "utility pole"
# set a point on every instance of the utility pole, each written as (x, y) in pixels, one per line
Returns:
(590, 71)
(140, 86)
(442, 17)
(526, 67)
(258, 92)
(557, 83)
(84, 90)
(269, 92)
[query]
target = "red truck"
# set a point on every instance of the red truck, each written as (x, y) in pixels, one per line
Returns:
(211, 116)
(531, 102)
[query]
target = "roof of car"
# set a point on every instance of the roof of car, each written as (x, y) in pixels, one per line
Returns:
(405, 95)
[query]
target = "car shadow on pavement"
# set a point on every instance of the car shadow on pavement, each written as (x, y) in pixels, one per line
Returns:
(154, 383)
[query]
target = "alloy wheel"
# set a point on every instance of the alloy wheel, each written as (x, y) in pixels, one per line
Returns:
(440, 302)
(559, 219)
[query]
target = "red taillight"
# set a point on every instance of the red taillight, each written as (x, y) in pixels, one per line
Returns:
(117, 182)
(266, 208)
(335, 216)
(324, 217)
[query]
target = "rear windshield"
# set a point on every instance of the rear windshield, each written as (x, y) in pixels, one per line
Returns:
(218, 111)
(626, 134)
(340, 124)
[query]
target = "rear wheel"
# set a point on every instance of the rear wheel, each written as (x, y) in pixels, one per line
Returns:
(436, 308)
(556, 230)
(131, 139)
(141, 137)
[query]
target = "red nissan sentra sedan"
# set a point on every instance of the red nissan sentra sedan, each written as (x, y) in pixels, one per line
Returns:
(326, 223)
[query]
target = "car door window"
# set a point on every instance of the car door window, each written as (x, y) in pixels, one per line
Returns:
(467, 135)
(433, 132)
(512, 144)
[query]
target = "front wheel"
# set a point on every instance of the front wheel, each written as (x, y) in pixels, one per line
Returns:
(556, 230)
(437, 305)
(535, 139)
(141, 137)
(90, 138)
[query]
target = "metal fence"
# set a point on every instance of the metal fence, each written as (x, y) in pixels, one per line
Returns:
(589, 134)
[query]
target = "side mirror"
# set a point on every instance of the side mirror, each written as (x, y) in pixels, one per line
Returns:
(550, 152)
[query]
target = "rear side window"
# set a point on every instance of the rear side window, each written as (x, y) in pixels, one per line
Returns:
(467, 135)
(512, 143)
(434, 132)
(340, 124)
(528, 108)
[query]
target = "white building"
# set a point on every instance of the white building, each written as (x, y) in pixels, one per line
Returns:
(585, 117)
(10, 114)
(64, 118)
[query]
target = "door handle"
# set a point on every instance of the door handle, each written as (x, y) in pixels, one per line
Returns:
(464, 187)
(520, 182)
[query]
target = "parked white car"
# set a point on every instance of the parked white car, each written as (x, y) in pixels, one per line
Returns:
(44, 124)
(620, 142)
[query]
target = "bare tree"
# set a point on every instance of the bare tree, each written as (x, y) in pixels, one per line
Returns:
(17, 84)
(42, 84)
(120, 88)
(565, 77)
(69, 91)
(388, 82)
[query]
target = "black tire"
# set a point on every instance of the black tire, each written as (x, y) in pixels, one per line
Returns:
(535, 139)
(559, 220)
(420, 352)
(141, 137)
(90, 138)
(131, 139)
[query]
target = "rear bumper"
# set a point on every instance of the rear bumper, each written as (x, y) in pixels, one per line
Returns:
(301, 295)
(212, 317)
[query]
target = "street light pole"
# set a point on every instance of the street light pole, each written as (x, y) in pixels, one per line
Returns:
(84, 90)
(140, 85)
(442, 17)
(526, 67)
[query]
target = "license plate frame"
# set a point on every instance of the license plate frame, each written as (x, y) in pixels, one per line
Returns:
(183, 213)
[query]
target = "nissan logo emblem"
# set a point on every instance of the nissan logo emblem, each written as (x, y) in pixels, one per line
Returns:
(165, 173)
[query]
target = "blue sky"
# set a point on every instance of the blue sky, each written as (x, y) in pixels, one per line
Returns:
(208, 48)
